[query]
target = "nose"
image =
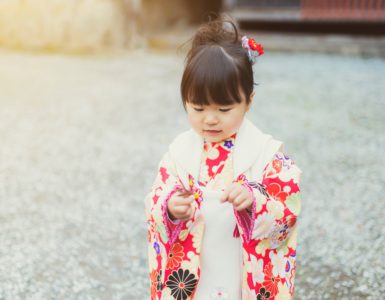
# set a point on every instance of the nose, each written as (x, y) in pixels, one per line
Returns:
(211, 119)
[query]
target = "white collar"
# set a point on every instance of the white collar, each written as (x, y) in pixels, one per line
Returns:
(251, 146)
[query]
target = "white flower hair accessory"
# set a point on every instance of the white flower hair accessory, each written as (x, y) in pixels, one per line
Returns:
(253, 48)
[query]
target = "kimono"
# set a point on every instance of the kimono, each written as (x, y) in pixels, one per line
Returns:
(267, 233)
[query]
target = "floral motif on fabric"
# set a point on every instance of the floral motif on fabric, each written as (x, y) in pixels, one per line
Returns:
(216, 163)
(268, 265)
(182, 283)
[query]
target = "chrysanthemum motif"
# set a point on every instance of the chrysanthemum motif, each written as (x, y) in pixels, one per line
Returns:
(175, 256)
(271, 281)
(182, 283)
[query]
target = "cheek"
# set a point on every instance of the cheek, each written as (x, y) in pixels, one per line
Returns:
(235, 120)
(194, 120)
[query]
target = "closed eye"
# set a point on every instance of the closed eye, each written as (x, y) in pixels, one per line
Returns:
(225, 109)
(198, 109)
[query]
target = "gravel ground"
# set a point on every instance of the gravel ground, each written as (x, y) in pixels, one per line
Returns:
(80, 143)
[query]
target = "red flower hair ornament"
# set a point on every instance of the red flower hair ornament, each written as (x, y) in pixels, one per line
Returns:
(253, 48)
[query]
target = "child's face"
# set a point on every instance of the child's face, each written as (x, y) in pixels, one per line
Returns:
(216, 122)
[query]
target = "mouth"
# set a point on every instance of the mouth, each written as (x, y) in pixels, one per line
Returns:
(212, 132)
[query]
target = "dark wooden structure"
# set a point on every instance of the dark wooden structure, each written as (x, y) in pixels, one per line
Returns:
(359, 10)
(361, 17)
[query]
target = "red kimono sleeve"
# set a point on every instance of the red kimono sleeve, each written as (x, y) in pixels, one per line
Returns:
(156, 201)
(276, 202)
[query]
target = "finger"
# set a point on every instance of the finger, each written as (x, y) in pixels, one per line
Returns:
(234, 194)
(186, 193)
(182, 192)
(243, 206)
(188, 215)
(225, 195)
(227, 192)
(181, 189)
(181, 210)
(190, 199)
(181, 201)
(176, 197)
(239, 199)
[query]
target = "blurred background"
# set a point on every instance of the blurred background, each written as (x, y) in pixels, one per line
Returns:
(89, 101)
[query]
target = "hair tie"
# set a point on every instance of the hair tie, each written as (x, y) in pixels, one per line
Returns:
(253, 48)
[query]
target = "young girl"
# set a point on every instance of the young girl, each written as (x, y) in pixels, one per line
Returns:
(223, 210)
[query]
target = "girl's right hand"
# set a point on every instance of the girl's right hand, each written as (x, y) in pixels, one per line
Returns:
(180, 206)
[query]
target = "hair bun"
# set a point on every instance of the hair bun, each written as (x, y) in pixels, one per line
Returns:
(216, 32)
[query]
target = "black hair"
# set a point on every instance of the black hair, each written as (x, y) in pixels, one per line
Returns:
(217, 67)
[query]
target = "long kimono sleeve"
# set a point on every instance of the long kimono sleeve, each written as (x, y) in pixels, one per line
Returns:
(278, 201)
(272, 238)
(165, 185)
(276, 204)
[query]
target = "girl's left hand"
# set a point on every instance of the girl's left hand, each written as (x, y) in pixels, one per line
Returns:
(238, 195)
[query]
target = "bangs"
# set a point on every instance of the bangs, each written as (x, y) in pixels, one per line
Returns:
(211, 77)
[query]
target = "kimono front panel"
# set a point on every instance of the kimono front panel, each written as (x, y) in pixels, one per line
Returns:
(268, 241)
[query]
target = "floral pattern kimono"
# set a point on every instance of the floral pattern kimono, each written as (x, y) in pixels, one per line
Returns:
(268, 232)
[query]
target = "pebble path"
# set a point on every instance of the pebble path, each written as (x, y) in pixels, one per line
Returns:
(81, 138)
